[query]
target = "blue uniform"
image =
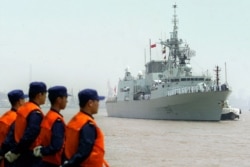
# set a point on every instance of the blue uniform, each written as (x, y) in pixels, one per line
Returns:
(8, 144)
(87, 139)
(57, 141)
(31, 132)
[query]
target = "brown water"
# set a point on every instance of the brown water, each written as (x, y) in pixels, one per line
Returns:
(154, 143)
(150, 143)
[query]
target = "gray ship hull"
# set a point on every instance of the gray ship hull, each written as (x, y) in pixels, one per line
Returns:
(200, 106)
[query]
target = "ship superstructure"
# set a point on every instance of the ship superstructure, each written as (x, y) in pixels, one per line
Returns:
(168, 89)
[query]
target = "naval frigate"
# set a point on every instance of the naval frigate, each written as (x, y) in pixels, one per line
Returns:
(168, 90)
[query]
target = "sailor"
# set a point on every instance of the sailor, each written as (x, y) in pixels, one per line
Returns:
(7, 141)
(52, 129)
(84, 145)
(27, 127)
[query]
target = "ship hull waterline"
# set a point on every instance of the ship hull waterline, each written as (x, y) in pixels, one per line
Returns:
(200, 106)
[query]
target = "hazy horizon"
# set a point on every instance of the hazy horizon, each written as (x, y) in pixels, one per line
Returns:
(88, 44)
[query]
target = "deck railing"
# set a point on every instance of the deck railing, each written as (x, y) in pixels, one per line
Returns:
(177, 91)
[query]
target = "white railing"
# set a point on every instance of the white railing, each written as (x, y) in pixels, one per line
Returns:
(191, 89)
(176, 91)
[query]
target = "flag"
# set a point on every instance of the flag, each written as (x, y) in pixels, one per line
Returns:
(164, 50)
(152, 45)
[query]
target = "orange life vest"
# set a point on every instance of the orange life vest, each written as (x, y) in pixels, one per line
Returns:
(6, 121)
(45, 136)
(96, 157)
(21, 121)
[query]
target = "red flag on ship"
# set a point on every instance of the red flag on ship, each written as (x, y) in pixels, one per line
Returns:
(152, 45)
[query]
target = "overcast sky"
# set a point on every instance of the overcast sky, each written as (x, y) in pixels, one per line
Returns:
(82, 44)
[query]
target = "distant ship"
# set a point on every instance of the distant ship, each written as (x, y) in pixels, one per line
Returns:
(168, 90)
